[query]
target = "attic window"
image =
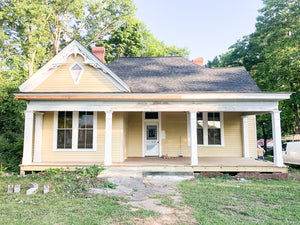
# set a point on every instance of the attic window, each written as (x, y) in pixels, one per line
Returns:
(76, 71)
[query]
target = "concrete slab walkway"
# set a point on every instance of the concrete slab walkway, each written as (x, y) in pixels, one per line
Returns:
(131, 183)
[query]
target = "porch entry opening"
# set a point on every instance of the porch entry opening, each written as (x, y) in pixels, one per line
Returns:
(152, 139)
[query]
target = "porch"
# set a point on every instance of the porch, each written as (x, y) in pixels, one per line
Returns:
(205, 164)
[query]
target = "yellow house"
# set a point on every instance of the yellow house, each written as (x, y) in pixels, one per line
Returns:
(83, 112)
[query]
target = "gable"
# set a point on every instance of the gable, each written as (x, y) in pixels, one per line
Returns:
(74, 69)
(76, 76)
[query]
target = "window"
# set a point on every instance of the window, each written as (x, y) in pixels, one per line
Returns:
(200, 128)
(85, 130)
(209, 128)
(75, 131)
(214, 128)
(151, 115)
(64, 130)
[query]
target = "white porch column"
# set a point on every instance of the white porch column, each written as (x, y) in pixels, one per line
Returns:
(37, 157)
(28, 135)
(108, 138)
(245, 137)
(277, 145)
(193, 127)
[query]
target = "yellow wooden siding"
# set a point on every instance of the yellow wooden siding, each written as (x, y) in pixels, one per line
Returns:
(175, 126)
(125, 136)
(92, 80)
(135, 142)
(117, 137)
(233, 145)
(48, 155)
(252, 136)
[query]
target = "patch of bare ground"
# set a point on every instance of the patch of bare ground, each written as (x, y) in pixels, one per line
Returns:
(165, 199)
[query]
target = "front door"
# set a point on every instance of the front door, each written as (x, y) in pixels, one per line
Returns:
(151, 139)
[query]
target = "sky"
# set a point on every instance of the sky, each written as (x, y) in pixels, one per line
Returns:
(206, 27)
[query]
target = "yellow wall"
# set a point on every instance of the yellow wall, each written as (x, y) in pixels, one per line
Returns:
(48, 155)
(252, 136)
(175, 126)
(134, 140)
(127, 138)
(92, 80)
(117, 137)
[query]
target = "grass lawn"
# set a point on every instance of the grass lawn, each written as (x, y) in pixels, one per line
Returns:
(221, 200)
(67, 205)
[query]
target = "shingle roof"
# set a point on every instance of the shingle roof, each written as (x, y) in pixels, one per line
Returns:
(177, 74)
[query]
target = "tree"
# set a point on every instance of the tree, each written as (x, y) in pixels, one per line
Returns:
(271, 56)
(31, 30)
(133, 39)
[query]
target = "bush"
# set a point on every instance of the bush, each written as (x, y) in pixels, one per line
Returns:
(11, 154)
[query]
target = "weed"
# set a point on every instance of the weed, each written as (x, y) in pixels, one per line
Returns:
(107, 184)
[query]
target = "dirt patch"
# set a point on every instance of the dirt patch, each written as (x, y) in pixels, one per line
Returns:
(156, 193)
(166, 199)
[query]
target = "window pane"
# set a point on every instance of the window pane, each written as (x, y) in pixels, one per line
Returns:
(81, 122)
(200, 136)
(151, 132)
(199, 120)
(68, 120)
(214, 136)
(213, 116)
(61, 119)
(151, 115)
(68, 139)
(89, 120)
(81, 139)
(60, 139)
(89, 139)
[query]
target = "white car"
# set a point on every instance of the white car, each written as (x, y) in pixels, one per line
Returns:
(292, 153)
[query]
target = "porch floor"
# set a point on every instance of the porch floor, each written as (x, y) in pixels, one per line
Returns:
(205, 164)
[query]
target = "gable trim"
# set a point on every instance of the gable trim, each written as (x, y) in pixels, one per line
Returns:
(73, 48)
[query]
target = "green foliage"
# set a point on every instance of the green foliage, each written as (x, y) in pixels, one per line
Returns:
(60, 207)
(75, 182)
(271, 56)
(31, 34)
(133, 39)
(107, 184)
(11, 154)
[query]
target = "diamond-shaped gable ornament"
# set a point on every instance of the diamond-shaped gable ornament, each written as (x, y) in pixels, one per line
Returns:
(76, 71)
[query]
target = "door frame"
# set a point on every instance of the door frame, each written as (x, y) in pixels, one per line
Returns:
(144, 121)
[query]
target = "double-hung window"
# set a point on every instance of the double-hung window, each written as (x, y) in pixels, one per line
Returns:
(75, 131)
(210, 128)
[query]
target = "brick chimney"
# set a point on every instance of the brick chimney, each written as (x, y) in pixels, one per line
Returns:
(99, 52)
(199, 61)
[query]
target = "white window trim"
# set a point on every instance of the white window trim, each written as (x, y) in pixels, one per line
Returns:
(205, 131)
(75, 117)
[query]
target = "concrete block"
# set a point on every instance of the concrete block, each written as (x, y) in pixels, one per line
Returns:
(31, 191)
(34, 185)
(46, 189)
(17, 188)
(10, 188)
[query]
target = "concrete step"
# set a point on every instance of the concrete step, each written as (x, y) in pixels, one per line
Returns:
(168, 173)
